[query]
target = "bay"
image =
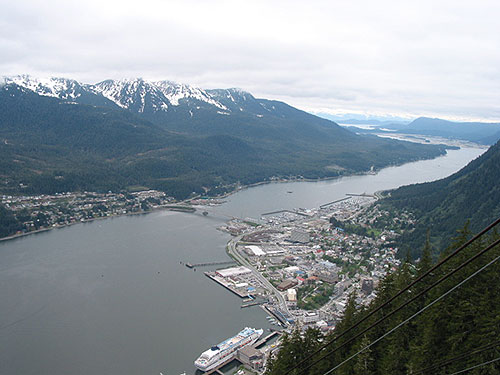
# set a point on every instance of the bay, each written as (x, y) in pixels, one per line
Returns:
(112, 297)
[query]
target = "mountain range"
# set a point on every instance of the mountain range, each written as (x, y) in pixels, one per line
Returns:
(59, 134)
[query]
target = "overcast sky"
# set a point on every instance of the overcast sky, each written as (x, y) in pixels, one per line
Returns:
(403, 58)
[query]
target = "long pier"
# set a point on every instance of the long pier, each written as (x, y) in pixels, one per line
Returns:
(192, 265)
(337, 201)
(280, 211)
(361, 195)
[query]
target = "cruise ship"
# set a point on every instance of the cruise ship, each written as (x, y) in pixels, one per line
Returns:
(219, 354)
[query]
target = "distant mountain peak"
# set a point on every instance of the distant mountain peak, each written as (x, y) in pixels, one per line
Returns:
(62, 88)
(143, 95)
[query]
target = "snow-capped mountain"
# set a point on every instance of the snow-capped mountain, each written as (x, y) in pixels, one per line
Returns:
(141, 95)
(137, 95)
(62, 88)
(177, 107)
(151, 98)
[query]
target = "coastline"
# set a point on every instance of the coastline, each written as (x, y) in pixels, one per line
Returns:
(41, 230)
(222, 196)
(364, 173)
(185, 201)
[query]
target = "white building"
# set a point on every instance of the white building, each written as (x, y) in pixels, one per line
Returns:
(310, 317)
(257, 251)
(233, 271)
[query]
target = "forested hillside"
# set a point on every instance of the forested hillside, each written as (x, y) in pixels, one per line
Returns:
(473, 193)
(49, 144)
(461, 324)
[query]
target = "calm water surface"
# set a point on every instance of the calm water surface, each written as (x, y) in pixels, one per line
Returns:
(111, 297)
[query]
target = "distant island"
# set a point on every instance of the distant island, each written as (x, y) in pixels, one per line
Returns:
(484, 133)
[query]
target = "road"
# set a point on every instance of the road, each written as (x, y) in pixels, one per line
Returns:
(231, 248)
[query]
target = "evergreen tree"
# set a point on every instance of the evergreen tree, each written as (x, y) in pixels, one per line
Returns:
(363, 364)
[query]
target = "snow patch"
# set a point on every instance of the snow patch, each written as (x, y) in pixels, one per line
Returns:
(61, 88)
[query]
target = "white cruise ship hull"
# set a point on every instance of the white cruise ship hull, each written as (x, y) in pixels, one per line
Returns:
(215, 357)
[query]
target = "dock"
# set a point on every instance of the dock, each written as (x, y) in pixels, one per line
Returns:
(266, 339)
(217, 369)
(253, 302)
(226, 285)
(278, 314)
(193, 265)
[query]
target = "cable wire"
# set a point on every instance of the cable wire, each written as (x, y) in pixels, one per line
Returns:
(414, 315)
(476, 366)
(489, 247)
(458, 357)
(432, 269)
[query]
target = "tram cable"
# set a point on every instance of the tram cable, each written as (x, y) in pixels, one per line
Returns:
(476, 366)
(404, 321)
(482, 252)
(386, 303)
(448, 361)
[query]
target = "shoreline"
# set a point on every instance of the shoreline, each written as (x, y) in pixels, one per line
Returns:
(223, 196)
(320, 179)
(20, 235)
(284, 180)
(185, 201)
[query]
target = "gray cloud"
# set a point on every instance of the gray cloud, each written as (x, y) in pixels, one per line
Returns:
(393, 57)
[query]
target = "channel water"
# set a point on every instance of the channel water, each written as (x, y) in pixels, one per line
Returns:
(112, 297)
